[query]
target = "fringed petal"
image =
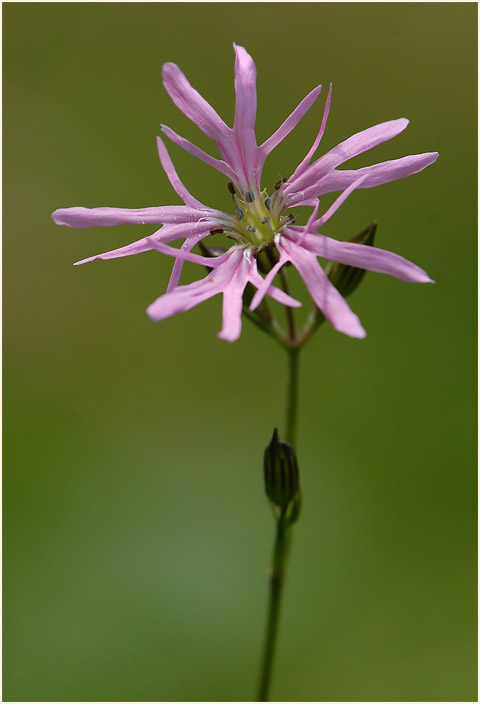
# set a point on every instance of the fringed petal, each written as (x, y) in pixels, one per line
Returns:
(290, 123)
(197, 152)
(376, 175)
(79, 217)
(306, 160)
(366, 257)
(172, 175)
(191, 103)
(332, 304)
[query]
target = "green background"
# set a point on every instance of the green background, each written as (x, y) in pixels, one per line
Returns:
(136, 532)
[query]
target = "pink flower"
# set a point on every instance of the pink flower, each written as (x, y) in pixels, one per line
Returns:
(259, 220)
(231, 272)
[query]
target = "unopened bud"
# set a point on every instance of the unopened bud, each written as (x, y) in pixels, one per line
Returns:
(282, 483)
(346, 278)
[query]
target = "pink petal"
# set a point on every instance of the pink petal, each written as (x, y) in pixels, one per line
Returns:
(233, 302)
(306, 161)
(272, 291)
(311, 221)
(327, 298)
(245, 104)
(211, 262)
(199, 153)
(233, 296)
(143, 245)
(177, 185)
(361, 142)
(290, 123)
(165, 234)
(191, 103)
(377, 175)
(385, 172)
(187, 246)
(182, 298)
(265, 284)
(245, 89)
(335, 205)
(365, 257)
(232, 271)
(351, 147)
(106, 217)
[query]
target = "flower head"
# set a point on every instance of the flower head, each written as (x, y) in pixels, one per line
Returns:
(259, 220)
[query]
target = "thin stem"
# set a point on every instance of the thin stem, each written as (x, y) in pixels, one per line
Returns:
(282, 540)
(277, 576)
(315, 319)
(292, 394)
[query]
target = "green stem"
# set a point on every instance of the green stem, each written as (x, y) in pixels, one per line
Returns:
(282, 541)
(292, 394)
(315, 319)
(277, 576)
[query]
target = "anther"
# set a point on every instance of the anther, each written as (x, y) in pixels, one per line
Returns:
(239, 213)
(279, 183)
(264, 220)
(267, 203)
(231, 187)
(249, 196)
(291, 218)
(216, 231)
(249, 228)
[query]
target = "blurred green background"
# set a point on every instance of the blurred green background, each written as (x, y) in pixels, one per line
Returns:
(136, 531)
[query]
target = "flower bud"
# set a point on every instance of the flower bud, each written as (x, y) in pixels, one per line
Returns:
(282, 484)
(346, 278)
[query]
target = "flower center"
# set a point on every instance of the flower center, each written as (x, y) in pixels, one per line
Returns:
(258, 217)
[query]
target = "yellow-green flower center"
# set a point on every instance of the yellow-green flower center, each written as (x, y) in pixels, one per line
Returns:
(258, 217)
